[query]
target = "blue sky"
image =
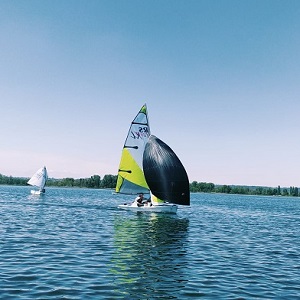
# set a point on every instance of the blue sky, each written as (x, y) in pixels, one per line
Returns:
(220, 79)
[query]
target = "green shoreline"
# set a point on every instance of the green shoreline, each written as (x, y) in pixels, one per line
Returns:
(109, 182)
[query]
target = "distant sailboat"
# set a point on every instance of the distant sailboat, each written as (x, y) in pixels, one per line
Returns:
(39, 180)
(148, 165)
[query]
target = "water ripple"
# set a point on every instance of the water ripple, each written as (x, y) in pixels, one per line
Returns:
(76, 244)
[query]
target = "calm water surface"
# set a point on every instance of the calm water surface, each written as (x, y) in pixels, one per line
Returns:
(75, 244)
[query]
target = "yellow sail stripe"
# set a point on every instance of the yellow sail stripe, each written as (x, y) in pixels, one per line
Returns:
(155, 200)
(130, 171)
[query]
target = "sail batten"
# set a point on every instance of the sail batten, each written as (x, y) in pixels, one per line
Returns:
(126, 171)
(140, 123)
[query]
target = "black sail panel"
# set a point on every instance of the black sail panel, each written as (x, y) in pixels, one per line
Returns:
(164, 173)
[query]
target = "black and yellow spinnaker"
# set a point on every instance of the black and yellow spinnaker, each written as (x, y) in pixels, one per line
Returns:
(164, 173)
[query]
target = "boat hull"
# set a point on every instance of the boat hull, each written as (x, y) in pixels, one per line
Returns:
(33, 192)
(163, 208)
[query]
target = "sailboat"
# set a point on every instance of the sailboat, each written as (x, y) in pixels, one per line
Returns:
(39, 180)
(150, 166)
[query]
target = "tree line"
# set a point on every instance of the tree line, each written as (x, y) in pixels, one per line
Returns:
(95, 181)
(204, 187)
(110, 181)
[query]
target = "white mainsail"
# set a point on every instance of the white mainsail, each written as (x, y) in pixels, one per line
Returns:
(39, 179)
(131, 179)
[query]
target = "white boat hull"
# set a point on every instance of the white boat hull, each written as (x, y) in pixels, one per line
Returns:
(34, 192)
(162, 208)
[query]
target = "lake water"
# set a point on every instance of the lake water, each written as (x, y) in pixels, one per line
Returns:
(76, 244)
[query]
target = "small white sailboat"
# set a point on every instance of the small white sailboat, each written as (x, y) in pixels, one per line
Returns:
(39, 180)
(150, 166)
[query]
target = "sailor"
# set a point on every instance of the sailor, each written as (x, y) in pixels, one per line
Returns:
(139, 199)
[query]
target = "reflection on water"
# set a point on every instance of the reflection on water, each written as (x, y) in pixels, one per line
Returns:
(76, 244)
(150, 254)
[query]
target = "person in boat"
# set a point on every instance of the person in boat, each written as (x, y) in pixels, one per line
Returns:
(139, 200)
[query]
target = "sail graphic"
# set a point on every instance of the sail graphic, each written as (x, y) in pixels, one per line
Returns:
(164, 173)
(39, 179)
(131, 179)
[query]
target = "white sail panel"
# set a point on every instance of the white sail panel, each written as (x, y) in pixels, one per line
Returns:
(136, 140)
